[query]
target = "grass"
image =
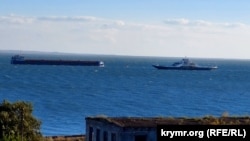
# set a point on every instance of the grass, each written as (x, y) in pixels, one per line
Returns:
(66, 138)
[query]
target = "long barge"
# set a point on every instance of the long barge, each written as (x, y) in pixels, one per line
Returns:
(17, 59)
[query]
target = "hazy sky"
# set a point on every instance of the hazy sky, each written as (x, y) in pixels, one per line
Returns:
(169, 28)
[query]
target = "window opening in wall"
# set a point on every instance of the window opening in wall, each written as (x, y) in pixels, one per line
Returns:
(105, 136)
(140, 137)
(91, 133)
(113, 137)
(97, 134)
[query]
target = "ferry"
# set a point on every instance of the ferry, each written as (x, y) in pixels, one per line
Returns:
(18, 59)
(185, 64)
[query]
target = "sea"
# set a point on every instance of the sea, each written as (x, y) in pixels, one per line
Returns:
(128, 86)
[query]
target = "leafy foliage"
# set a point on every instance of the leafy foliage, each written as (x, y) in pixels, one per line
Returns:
(17, 122)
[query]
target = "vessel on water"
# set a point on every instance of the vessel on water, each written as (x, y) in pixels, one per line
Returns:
(185, 64)
(18, 59)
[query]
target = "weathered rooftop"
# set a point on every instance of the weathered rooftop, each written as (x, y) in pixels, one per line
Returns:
(154, 121)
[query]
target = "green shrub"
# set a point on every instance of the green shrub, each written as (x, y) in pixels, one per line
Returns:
(17, 122)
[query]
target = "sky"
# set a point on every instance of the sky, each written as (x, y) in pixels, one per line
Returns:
(164, 28)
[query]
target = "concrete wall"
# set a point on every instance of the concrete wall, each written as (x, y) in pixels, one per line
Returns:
(102, 127)
(122, 134)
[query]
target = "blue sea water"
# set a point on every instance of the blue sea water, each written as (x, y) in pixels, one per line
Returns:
(62, 96)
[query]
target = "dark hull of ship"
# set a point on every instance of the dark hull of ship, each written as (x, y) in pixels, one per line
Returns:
(183, 68)
(56, 62)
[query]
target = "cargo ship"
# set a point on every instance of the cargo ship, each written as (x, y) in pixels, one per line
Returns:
(18, 59)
